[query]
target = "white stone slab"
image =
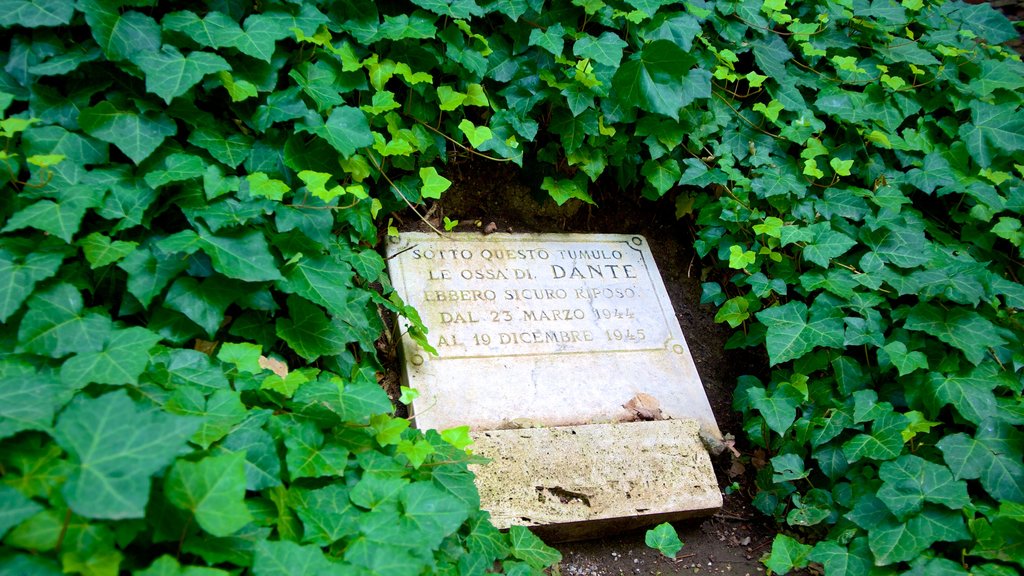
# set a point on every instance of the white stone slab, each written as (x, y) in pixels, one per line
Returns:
(578, 482)
(555, 329)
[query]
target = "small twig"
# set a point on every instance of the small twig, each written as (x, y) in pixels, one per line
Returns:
(402, 251)
(732, 517)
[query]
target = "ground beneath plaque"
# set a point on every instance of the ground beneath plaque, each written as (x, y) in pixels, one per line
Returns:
(733, 540)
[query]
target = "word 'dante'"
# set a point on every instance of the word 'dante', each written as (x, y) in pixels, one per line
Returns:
(518, 320)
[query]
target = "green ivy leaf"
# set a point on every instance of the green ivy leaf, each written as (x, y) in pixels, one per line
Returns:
(169, 74)
(309, 457)
(123, 358)
(551, 38)
(786, 555)
(894, 541)
(323, 280)
(885, 441)
(244, 255)
(346, 130)
(35, 13)
(137, 135)
(605, 49)
(530, 549)
(909, 481)
(15, 508)
(779, 409)
(993, 456)
(262, 186)
(121, 35)
(656, 78)
(57, 324)
(336, 399)
(116, 446)
(477, 135)
(327, 514)
(662, 175)
(18, 277)
(964, 329)
(793, 333)
(433, 183)
(993, 130)
(213, 489)
(664, 539)
(286, 558)
(232, 149)
(904, 361)
(310, 333)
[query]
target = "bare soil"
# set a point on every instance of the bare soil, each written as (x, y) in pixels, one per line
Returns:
(733, 540)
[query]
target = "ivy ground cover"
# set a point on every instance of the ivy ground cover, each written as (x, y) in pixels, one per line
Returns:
(190, 295)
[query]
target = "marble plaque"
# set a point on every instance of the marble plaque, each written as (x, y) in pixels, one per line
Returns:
(541, 330)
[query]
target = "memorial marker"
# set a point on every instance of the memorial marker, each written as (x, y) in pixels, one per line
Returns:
(550, 346)
(557, 329)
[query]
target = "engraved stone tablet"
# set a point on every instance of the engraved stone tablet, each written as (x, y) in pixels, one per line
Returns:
(541, 329)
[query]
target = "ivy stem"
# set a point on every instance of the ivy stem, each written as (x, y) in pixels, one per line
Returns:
(412, 207)
(63, 530)
(461, 145)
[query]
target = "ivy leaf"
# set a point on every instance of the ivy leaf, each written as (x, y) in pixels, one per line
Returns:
(477, 135)
(286, 558)
(116, 446)
(551, 38)
(779, 409)
(333, 399)
(664, 539)
(310, 333)
(529, 548)
(827, 244)
(893, 541)
(137, 135)
(308, 457)
(605, 49)
(213, 489)
(655, 79)
(787, 554)
(909, 481)
(458, 9)
(57, 325)
(169, 74)
(904, 361)
(970, 393)
(121, 361)
(662, 175)
(323, 280)
(792, 334)
(433, 183)
(262, 186)
(885, 441)
(232, 149)
(327, 514)
(994, 130)
(121, 35)
(965, 329)
(244, 255)
(346, 130)
(35, 13)
(220, 412)
(15, 508)
(993, 456)
(18, 277)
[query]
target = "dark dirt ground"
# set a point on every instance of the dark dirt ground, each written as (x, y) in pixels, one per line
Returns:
(733, 540)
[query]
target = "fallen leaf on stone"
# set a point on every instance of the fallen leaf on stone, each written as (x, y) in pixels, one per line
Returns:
(275, 366)
(645, 407)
